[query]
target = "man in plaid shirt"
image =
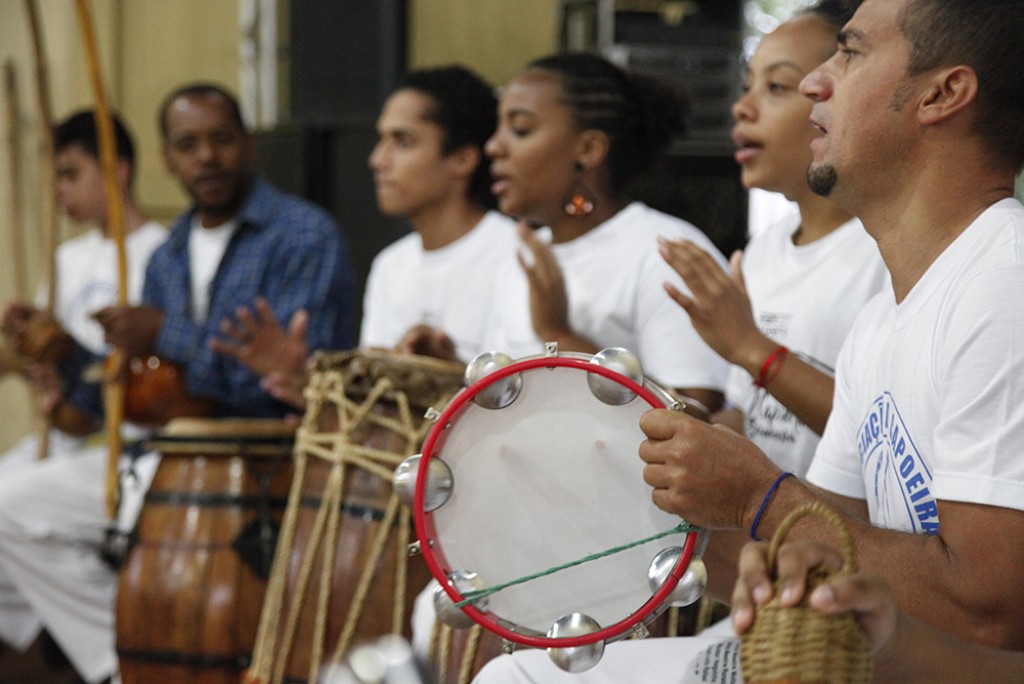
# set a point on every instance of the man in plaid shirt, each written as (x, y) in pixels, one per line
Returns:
(241, 243)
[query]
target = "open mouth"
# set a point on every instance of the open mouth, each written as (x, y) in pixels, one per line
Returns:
(500, 185)
(821, 128)
(746, 148)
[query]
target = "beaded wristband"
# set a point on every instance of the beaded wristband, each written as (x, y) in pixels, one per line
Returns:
(764, 504)
(770, 367)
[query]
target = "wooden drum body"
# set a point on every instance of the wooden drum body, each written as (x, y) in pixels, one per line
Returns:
(191, 590)
(342, 573)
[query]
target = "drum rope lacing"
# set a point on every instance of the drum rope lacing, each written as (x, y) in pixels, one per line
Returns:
(472, 596)
(325, 390)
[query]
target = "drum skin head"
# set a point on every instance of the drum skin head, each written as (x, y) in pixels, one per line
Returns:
(551, 478)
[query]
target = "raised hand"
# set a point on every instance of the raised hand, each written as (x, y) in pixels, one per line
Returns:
(549, 303)
(718, 304)
(256, 339)
(287, 387)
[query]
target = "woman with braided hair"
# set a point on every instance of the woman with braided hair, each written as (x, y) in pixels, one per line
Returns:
(574, 131)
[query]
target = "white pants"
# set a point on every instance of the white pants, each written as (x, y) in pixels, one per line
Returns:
(53, 521)
(423, 618)
(709, 658)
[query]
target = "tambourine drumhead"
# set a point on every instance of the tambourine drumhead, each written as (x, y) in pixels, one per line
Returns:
(549, 479)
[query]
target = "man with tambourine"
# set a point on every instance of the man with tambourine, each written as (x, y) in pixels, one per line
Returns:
(919, 139)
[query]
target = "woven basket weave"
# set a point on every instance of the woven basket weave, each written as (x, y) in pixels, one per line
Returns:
(798, 644)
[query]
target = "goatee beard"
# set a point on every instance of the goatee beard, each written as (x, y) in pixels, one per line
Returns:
(821, 179)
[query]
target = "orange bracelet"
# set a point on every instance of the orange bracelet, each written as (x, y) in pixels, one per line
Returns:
(771, 366)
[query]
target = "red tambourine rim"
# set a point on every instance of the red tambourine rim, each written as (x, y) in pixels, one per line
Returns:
(425, 531)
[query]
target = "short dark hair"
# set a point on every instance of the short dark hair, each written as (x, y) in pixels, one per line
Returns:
(984, 35)
(80, 129)
(640, 115)
(200, 89)
(835, 12)
(466, 110)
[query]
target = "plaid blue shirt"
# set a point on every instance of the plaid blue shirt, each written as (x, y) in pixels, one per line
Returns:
(285, 250)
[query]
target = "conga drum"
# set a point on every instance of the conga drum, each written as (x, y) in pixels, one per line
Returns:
(342, 572)
(543, 533)
(191, 589)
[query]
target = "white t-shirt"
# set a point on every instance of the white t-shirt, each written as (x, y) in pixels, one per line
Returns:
(86, 278)
(929, 401)
(613, 276)
(450, 288)
(206, 247)
(805, 297)
(86, 275)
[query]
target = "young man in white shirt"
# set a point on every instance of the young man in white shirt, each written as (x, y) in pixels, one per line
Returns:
(86, 281)
(428, 292)
(428, 166)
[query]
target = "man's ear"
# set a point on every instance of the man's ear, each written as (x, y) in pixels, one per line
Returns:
(948, 92)
(165, 152)
(248, 150)
(465, 160)
(124, 173)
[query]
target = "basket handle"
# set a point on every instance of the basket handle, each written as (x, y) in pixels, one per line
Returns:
(829, 515)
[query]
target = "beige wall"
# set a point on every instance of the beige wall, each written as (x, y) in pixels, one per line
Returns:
(166, 43)
(148, 47)
(494, 37)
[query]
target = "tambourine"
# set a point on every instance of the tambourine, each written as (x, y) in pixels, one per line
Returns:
(531, 509)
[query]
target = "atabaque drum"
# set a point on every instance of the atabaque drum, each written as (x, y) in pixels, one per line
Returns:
(192, 586)
(342, 574)
(532, 513)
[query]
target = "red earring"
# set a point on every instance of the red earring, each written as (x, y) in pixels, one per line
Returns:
(579, 204)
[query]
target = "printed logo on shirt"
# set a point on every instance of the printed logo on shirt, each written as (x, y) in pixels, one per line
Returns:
(767, 419)
(897, 479)
(95, 294)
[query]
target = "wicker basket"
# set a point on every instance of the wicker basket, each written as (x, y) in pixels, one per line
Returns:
(798, 644)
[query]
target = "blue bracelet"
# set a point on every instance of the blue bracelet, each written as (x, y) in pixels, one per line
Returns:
(764, 504)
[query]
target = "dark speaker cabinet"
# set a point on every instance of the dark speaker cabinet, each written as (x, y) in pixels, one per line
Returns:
(696, 46)
(346, 56)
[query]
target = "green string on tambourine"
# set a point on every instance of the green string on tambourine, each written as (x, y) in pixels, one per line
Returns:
(471, 596)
